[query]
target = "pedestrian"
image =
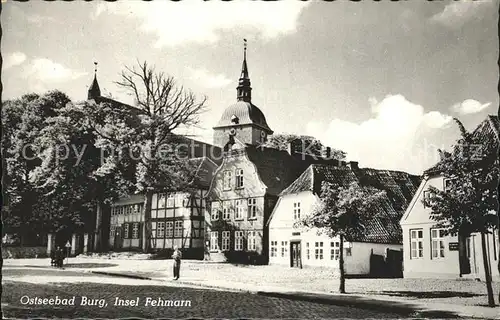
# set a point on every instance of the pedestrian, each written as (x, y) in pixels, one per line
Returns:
(59, 257)
(177, 256)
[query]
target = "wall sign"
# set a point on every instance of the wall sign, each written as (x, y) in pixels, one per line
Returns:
(453, 246)
(295, 233)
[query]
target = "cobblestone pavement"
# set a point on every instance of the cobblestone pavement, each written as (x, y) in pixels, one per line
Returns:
(204, 303)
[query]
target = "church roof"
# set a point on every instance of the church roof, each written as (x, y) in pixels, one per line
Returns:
(246, 113)
(399, 187)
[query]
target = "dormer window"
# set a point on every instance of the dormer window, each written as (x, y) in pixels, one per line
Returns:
(235, 119)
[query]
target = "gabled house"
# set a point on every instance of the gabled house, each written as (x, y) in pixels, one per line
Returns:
(177, 218)
(428, 253)
(293, 247)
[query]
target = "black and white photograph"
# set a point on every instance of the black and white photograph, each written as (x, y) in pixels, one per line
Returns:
(250, 159)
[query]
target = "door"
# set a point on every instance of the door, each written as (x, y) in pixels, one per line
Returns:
(470, 248)
(295, 255)
(118, 239)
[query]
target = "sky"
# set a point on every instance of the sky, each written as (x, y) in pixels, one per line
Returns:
(381, 81)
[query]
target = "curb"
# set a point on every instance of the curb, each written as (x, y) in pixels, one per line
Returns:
(121, 275)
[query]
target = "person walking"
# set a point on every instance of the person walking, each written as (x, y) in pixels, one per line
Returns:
(177, 256)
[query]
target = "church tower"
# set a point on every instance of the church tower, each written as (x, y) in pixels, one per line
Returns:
(242, 121)
(94, 90)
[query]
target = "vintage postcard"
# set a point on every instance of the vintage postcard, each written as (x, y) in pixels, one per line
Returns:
(250, 159)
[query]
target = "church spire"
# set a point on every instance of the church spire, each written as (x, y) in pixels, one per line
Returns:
(244, 90)
(94, 90)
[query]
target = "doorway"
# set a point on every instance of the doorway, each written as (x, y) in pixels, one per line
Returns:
(295, 254)
(470, 250)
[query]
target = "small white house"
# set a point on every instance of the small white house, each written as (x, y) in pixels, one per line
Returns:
(289, 246)
(428, 253)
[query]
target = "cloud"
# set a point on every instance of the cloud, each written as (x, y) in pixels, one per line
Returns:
(207, 80)
(13, 59)
(391, 139)
(456, 13)
(469, 106)
(188, 21)
(46, 70)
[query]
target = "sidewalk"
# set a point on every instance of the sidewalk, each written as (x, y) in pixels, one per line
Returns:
(282, 284)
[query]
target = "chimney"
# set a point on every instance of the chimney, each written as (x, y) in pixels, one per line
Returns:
(353, 164)
(290, 148)
(328, 152)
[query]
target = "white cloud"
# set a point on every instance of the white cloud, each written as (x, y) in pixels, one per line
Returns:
(469, 106)
(13, 59)
(456, 13)
(207, 80)
(389, 139)
(46, 70)
(190, 21)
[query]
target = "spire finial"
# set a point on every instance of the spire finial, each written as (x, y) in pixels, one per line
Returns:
(95, 69)
(244, 49)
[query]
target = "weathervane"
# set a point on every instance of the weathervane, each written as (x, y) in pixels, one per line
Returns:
(245, 48)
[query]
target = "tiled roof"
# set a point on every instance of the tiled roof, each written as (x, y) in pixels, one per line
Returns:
(399, 186)
(486, 132)
(204, 172)
(276, 168)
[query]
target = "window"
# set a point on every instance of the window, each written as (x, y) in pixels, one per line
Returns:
(308, 252)
(111, 232)
(238, 240)
(348, 252)
(240, 209)
(252, 208)
(135, 231)
(170, 200)
(161, 201)
(284, 248)
(318, 250)
(416, 243)
(169, 229)
(178, 228)
(226, 237)
(447, 184)
(227, 180)
(428, 195)
(226, 210)
(214, 240)
(160, 229)
(215, 211)
(437, 240)
(334, 250)
(239, 178)
(274, 248)
(125, 231)
(296, 210)
(251, 241)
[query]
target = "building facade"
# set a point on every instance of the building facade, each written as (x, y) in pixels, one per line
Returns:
(177, 218)
(294, 247)
(428, 252)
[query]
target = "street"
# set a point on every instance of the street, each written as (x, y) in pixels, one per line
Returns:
(182, 302)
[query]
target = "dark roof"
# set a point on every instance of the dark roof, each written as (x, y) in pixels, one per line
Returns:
(276, 168)
(204, 172)
(246, 112)
(399, 187)
(486, 132)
